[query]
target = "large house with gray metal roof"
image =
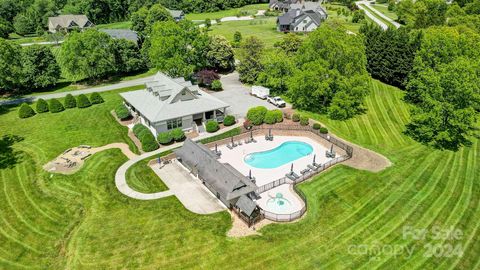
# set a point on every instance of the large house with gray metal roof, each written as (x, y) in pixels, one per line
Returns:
(122, 34)
(68, 22)
(168, 103)
(232, 188)
(301, 16)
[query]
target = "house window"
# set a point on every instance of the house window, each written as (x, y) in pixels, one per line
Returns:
(174, 123)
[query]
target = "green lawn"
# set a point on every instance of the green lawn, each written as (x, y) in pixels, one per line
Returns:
(344, 21)
(384, 9)
(264, 28)
(82, 222)
(116, 25)
(242, 11)
(368, 8)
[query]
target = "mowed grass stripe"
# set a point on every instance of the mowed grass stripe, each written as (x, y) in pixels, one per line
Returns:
(381, 211)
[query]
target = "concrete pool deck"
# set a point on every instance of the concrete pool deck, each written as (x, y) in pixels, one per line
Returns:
(235, 157)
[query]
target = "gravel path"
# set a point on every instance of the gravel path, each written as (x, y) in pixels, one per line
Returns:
(105, 88)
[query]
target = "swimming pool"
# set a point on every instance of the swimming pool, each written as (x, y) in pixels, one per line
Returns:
(278, 156)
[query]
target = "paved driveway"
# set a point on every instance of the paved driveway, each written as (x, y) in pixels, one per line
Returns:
(238, 96)
(189, 190)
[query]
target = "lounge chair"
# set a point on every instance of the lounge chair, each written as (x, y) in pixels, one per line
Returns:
(229, 146)
(290, 176)
(311, 167)
(295, 175)
(239, 143)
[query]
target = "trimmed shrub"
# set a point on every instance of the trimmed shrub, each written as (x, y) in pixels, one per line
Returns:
(256, 115)
(83, 102)
(323, 130)
(304, 120)
(229, 120)
(70, 102)
(278, 115)
(148, 142)
(144, 132)
(25, 111)
(270, 118)
(41, 106)
(216, 85)
(95, 98)
(247, 124)
(122, 112)
(211, 126)
(316, 126)
(295, 117)
(178, 134)
(55, 106)
(165, 137)
(137, 128)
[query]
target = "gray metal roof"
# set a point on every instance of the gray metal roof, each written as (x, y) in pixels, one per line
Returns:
(121, 34)
(246, 204)
(222, 177)
(175, 13)
(167, 98)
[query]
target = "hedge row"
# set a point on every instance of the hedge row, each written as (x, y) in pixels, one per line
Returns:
(168, 137)
(259, 115)
(145, 137)
(55, 106)
(122, 112)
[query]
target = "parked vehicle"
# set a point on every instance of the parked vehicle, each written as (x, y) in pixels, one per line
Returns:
(277, 101)
(260, 91)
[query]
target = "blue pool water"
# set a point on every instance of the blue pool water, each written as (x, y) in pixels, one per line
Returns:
(283, 154)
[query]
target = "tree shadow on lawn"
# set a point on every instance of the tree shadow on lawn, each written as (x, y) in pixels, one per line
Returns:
(8, 156)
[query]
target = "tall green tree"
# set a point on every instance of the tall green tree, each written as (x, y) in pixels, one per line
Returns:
(430, 12)
(10, 66)
(290, 43)
(40, 68)
(87, 55)
(178, 49)
(127, 56)
(249, 56)
(220, 54)
(277, 68)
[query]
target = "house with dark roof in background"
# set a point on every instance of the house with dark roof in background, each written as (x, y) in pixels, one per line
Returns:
(300, 16)
(121, 34)
(68, 22)
(177, 15)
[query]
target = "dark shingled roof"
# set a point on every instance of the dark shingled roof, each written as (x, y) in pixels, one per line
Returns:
(246, 205)
(222, 177)
(121, 34)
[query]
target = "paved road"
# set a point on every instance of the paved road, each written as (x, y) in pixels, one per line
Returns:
(110, 87)
(385, 17)
(42, 43)
(361, 5)
(120, 175)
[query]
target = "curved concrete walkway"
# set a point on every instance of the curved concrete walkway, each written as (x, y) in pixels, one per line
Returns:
(120, 175)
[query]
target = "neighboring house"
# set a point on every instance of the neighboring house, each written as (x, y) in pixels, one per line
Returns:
(177, 15)
(122, 34)
(283, 6)
(302, 17)
(169, 103)
(68, 22)
(231, 187)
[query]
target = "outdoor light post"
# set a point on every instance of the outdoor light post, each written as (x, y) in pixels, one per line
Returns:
(314, 156)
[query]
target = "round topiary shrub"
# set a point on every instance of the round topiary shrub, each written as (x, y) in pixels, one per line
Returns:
(216, 85)
(83, 102)
(304, 121)
(122, 112)
(256, 115)
(323, 130)
(70, 102)
(211, 126)
(278, 115)
(95, 98)
(295, 117)
(270, 118)
(55, 106)
(42, 106)
(165, 137)
(316, 126)
(178, 134)
(25, 111)
(229, 120)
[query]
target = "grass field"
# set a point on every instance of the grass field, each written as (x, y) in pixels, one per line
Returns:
(242, 11)
(370, 9)
(115, 25)
(82, 222)
(345, 21)
(384, 9)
